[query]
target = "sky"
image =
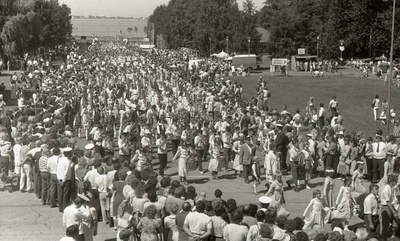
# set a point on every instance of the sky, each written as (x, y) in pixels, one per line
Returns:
(124, 8)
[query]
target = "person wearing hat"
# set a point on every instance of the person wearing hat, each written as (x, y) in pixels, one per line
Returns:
(264, 202)
(74, 216)
(379, 150)
(64, 175)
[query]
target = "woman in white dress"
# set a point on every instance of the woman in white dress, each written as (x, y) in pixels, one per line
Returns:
(216, 156)
(183, 154)
(271, 163)
(236, 148)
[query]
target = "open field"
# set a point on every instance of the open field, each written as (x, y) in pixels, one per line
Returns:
(354, 95)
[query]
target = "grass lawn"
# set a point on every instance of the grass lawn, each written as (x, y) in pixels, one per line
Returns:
(354, 95)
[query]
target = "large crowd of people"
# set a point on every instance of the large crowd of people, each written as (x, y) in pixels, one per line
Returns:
(132, 108)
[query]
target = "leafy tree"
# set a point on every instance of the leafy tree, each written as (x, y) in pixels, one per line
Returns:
(15, 35)
(29, 24)
(205, 24)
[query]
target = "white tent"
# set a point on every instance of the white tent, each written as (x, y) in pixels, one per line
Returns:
(223, 55)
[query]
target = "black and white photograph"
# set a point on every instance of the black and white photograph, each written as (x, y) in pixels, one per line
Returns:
(199, 120)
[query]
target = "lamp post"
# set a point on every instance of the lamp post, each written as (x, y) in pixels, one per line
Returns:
(209, 40)
(227, 42)
(248, 45)
(391, 66)
(341, 48)
(317, 46)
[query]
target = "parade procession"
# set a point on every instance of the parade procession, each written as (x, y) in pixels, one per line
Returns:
(145, 134)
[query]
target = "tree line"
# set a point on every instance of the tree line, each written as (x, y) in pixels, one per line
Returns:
(207, 25)
(363, 26)
(27, 25)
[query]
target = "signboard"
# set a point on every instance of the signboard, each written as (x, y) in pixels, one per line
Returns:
(341, 48)
(301, 51)
(279, 62)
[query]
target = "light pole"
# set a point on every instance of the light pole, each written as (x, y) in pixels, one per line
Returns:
(391, 66)
(341, 48)
(227, 41)
(317, 46)
(248, 45)
(209, 40)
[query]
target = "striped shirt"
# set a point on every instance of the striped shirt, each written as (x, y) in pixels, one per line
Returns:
(43, 164)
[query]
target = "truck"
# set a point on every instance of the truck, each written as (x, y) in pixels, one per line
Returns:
(247, 61)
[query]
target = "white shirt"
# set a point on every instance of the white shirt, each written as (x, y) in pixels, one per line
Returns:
(379, 153)
(16, 149)
(386, 195)
(101, 183)
(161, 147)
(63, 169)
(91, 176)
(67, 239)
(72, 216)
(371, 205)
(52, 164)
(198, 222)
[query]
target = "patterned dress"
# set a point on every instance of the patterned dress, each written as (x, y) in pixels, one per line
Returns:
(149, 229)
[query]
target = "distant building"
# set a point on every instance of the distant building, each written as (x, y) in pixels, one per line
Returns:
(265, 35)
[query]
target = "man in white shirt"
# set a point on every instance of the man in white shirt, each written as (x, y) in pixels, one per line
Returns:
(73, 216)
(197, 224)
(371, 215)
(321, 115)
(17, 161)
(55, 185)
(102, 186)
(64, 178)
(379, 150)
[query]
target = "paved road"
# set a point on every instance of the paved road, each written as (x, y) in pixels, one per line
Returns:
(23, 218)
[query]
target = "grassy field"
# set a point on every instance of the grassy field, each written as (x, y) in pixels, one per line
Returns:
(354, 95)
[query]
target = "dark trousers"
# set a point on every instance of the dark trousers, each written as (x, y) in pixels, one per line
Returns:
(163, 159)
(175, 145)
(369, 169)
(96, 203)
(60, 196)
(66, 194)
(387, 219)
(246, 171)
(200, 154)
(378, 164)
(123, 158)
(37, 183)
(45, 181)
(5, 164)
(294, 169)
(329, 161)
(228, 157)
(321, 121)
(53, 189)
(375, 222)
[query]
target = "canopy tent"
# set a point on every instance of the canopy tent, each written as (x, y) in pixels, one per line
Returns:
(222, 55)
